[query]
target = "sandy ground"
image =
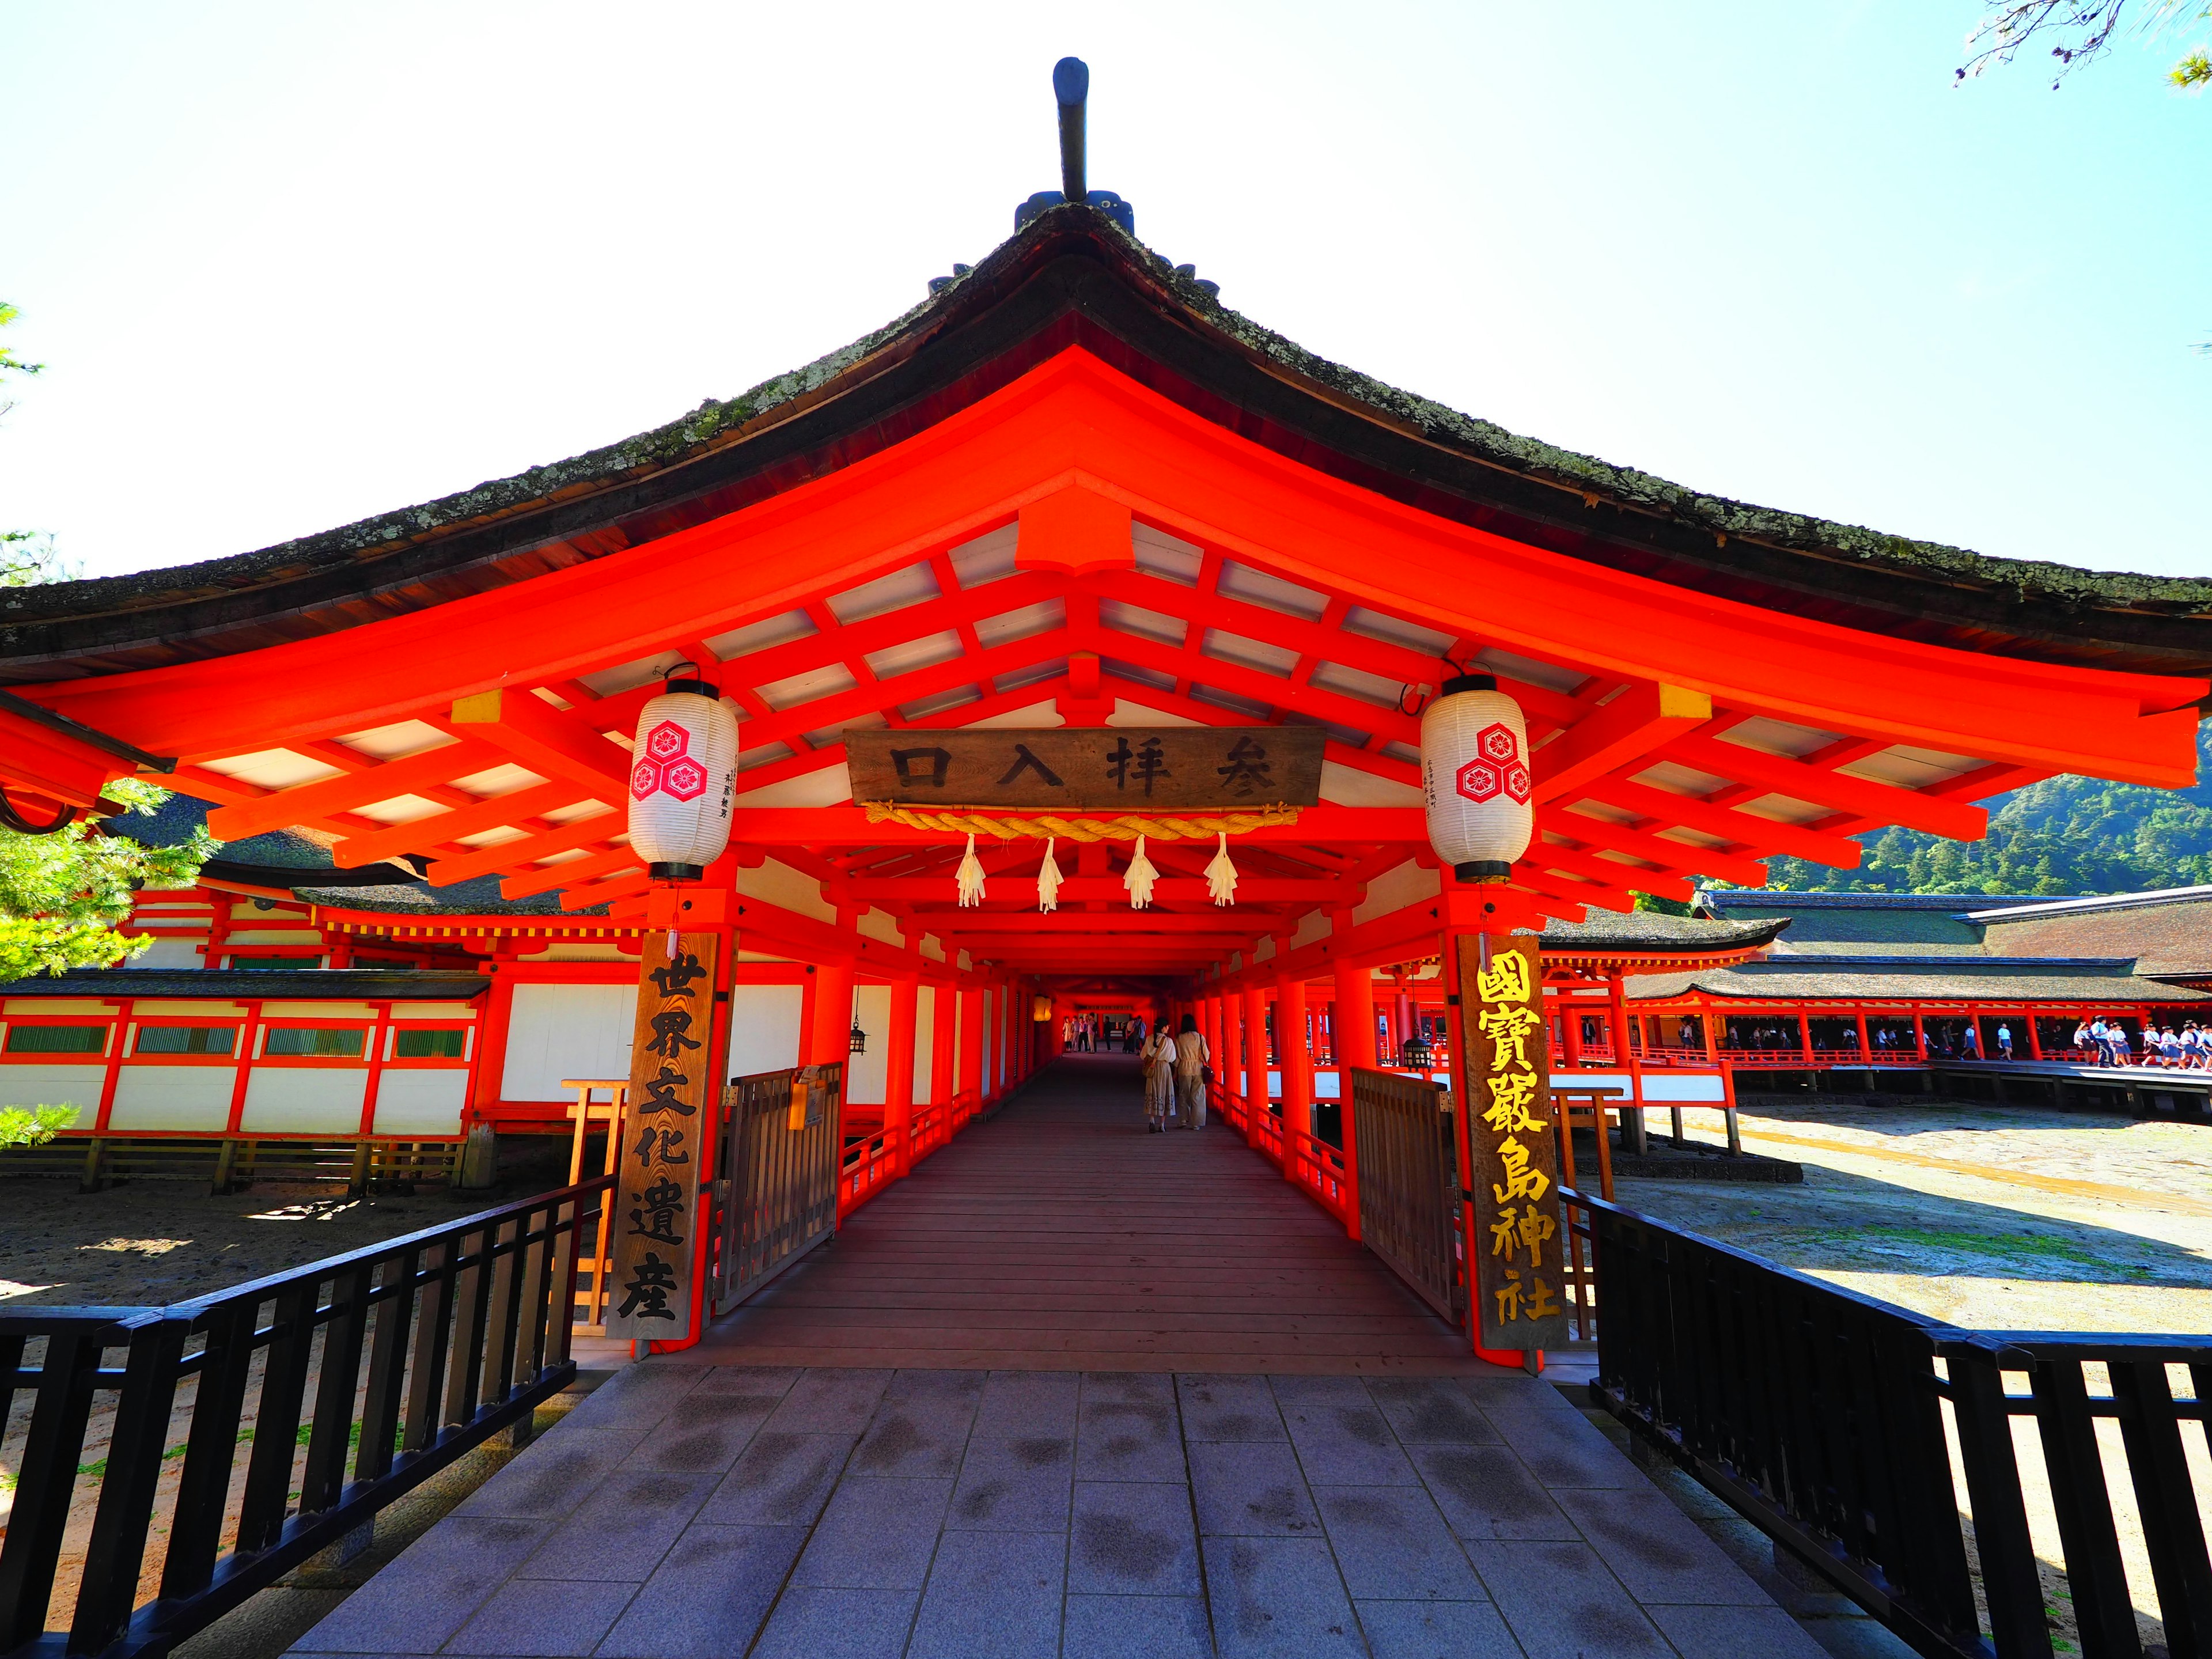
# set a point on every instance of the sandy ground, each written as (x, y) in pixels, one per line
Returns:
(1986, 1216)
(158, 1242)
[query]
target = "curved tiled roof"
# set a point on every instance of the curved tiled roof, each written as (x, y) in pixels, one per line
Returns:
(1072, 276)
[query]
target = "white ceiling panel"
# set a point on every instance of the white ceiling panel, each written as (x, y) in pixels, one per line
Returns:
(778, 630)
(824, 682)
(1159, 554)
(912, 585)
(1241, 581)
(987, 559)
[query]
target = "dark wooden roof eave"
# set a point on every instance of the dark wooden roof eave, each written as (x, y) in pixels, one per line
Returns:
(1077, 281)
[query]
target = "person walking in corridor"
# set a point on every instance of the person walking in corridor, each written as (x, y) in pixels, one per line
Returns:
(1159, 1063)
(1192, 1061)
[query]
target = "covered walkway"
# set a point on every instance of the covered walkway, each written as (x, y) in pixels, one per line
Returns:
(1058, 1235)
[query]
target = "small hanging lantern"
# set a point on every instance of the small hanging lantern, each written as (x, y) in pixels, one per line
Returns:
(1049, 879)
(859, 1038)
(1416, 1054)
(1040, 1007)
(684, 769)
(1138, 877)
(1474, 773)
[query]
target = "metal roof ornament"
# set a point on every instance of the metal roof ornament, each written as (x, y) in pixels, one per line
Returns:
(1070, 87)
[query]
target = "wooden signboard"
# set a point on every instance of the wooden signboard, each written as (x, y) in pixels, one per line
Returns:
(656, 1203)
(1520, 1241)
(1127, 769)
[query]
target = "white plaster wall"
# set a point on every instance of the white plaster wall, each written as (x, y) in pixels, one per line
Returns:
(1396, 888)
(764, 1028)
(196, 1097)
(421, 1102)
(170, 953)
(53, 1085)
(925, 1036)
(780, 884)
(558, 1032)
(304, 1100)
(866, 1075)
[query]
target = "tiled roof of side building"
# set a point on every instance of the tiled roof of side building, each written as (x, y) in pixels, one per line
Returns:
(291, 858)
(1654, 931)
(1072, 276)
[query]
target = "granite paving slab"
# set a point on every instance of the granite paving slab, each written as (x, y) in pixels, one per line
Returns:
(691, 1511)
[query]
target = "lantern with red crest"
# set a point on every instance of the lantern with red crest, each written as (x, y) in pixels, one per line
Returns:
(1474, 773)
(684, 769)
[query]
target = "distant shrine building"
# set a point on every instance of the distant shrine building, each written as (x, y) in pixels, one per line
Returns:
(1070, 496)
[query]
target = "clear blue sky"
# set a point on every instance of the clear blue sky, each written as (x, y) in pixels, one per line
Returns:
(293, 265)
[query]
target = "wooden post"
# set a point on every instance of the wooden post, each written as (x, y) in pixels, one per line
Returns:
(1296, 1058)
(671, 1110)
(898, 1072)
(1501, 1074)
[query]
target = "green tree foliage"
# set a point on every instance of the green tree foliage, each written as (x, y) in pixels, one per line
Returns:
(2063, 837)
(33, 1126)
(62, 895)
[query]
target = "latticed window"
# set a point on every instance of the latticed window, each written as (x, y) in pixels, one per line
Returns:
(185, 1039)
(325, 1042)
(430, 1045)
(56, 1039)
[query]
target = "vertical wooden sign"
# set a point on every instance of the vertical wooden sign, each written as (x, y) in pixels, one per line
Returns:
(1520, 1243)
(656, 1202)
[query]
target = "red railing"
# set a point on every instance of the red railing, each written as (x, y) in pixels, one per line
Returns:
(872, 1157)
(1320, 1170)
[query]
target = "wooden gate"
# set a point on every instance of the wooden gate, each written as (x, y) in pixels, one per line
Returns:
(781, 1145)
(1409, 1183)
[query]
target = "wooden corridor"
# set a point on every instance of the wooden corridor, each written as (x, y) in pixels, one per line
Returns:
(1060, 1235)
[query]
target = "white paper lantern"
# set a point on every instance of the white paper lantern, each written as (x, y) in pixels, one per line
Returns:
(684, 772)
(1474, 773)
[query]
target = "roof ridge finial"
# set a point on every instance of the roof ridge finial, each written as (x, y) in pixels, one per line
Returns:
(1071, 85)
(1071, 88)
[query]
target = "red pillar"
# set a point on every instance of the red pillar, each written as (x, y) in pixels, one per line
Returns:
(1296, 1058)
(971, 1043)
(944, 1007)
(1352, 1029)
(898, 1072)
(1255, 1058)
(832, 1038)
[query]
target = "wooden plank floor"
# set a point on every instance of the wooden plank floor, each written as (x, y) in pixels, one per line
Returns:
(1058, 1235)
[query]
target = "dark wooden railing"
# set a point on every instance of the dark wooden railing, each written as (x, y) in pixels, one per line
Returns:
(400, 1358)
(1827, 1419)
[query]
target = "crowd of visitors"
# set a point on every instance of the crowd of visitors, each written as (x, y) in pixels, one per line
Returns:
(2189, 1049)
(1089, 1032)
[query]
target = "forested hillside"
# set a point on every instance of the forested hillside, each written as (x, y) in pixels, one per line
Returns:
(2063, 836)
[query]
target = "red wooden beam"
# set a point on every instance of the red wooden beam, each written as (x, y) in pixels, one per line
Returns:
(548, 741)
(1636, 722)
(420, 834)
(1883, 802)
(305, 802)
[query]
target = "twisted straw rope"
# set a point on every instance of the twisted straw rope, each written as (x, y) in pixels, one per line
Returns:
(1126, 827)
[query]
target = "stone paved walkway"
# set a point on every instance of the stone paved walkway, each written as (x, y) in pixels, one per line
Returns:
(694, 1511)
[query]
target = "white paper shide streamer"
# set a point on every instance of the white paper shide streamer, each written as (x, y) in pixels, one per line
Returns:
(682, 777)
(970, 877)
(1138, 877)
(1221, 874)
(1049, 879)
(1474, 773)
